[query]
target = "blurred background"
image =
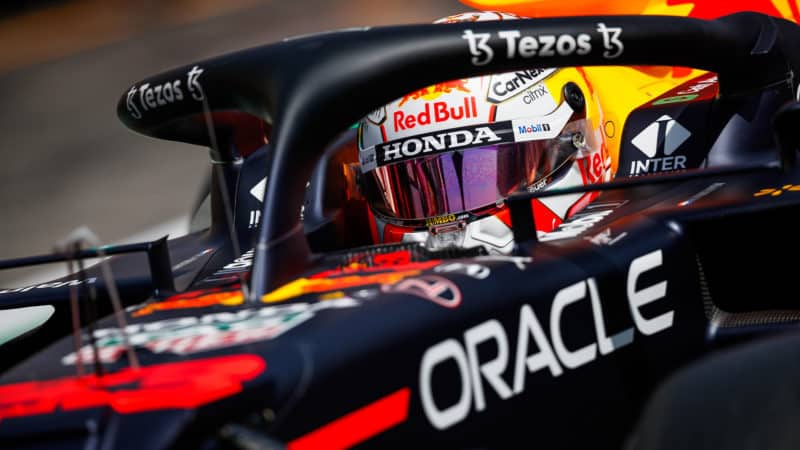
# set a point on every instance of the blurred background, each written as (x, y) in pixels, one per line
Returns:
(66, 158)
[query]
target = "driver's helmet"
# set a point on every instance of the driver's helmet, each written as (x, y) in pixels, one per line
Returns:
(437, 164)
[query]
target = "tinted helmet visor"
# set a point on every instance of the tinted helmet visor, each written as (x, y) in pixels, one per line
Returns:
(431, 178)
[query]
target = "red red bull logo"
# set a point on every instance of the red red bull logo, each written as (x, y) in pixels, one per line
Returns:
(436, 112)
(592, 167)
(433, 92)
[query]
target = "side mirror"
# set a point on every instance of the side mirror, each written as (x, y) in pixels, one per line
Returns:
(786, 126)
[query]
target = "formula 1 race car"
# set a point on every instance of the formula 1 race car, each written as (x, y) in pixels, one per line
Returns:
(294, 319)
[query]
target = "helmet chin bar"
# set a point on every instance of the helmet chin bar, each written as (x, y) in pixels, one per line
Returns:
(488, 232)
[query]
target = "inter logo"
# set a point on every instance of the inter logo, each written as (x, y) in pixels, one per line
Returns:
(658, 142)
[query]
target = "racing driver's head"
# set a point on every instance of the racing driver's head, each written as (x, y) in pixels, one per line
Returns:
(437, 164)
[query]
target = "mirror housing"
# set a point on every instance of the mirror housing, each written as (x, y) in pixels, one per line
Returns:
(786, 126)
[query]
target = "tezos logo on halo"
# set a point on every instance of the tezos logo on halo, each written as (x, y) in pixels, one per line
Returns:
(146, 97)
(543, 45)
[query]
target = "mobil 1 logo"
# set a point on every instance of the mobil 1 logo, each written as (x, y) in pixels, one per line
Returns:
(664, 139)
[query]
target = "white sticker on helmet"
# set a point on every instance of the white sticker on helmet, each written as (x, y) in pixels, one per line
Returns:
(539, 128)
(506, 85)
